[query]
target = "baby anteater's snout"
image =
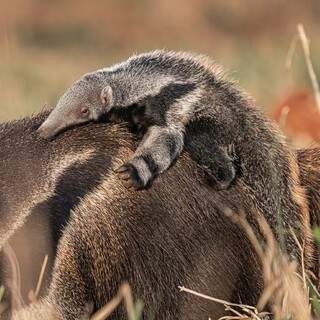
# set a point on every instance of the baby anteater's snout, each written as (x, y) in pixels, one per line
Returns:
(46, 131)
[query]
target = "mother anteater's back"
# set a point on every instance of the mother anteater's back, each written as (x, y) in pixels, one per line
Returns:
(172, 234)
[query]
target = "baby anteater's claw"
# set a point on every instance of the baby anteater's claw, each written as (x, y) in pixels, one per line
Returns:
(129, 174)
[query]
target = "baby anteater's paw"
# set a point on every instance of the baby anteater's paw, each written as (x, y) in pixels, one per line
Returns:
(222, 177)
(221, 172)
(136, 173)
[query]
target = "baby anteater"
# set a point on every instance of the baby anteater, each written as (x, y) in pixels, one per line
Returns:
(174, 90)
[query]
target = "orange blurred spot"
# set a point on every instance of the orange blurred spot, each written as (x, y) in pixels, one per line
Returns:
(303, 120)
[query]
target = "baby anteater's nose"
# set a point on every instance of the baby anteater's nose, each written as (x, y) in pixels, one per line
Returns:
(45, 132)
(42, 133)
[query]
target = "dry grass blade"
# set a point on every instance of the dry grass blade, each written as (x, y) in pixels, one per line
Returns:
(245, 311)
(307, 55)
(107, 310)
(241, 219)
(283, 117)
(15, 281)
(33, 295)
(220, 301)
(125, 294)
(284, 290)
(3, 306)
(45, 107)
(291, 51)
(301, 35)
(302, 249)
(1, 292)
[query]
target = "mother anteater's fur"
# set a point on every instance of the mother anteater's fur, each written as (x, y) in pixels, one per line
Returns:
(173, 234)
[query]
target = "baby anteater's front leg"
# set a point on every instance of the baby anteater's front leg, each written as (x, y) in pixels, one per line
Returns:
(217, 161)
(158, 149)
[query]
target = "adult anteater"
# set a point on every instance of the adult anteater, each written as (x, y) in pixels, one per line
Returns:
(172, 234)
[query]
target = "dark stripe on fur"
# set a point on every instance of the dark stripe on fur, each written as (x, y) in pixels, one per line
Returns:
(151, 163)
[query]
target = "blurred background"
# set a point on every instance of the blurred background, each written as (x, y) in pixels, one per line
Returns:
(46, 45)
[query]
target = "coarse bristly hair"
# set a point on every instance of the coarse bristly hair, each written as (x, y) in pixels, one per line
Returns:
(102, 234)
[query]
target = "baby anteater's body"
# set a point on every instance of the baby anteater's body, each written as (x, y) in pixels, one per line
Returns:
(189, 104)
(175, 90)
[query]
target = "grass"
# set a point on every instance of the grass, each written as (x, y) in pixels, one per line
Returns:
(31, 76)
(1, 292)
(236, 310)
(134, 309)
(285, 291)
(290, 295)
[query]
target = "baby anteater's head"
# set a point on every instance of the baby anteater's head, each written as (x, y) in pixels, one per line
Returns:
(86, 100)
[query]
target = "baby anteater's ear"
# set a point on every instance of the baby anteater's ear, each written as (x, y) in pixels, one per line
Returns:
(106, 96)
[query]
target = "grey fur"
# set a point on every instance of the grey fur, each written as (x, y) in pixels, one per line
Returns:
(175, 89)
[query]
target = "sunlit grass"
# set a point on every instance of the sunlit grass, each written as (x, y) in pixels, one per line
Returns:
(33, 76)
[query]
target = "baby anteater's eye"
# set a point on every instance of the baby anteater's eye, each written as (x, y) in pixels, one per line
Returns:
(84, 112)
